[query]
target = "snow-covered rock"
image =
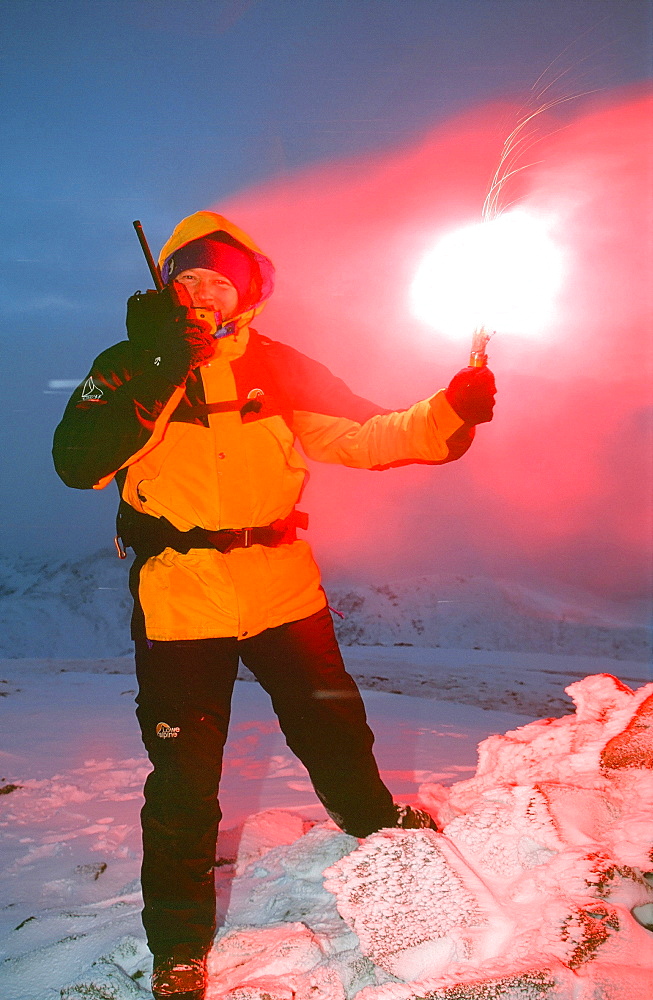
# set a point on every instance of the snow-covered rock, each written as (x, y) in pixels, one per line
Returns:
(265, 831)
(285, 961)
(537, 871)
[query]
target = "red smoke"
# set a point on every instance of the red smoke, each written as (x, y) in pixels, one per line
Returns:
(559, 485)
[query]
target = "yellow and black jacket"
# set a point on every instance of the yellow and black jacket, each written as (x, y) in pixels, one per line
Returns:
(198, 455)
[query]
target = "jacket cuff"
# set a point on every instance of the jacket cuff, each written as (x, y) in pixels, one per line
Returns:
(446, 418)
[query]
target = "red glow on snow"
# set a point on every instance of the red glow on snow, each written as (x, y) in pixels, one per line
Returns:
(562, 477)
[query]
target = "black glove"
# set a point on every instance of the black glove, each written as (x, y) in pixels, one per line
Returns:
(160, 326)
(471, 394)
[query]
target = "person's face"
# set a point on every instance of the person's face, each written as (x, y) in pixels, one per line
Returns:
(209, 290)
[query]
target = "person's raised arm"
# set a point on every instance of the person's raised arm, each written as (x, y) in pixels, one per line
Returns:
(334, 425)
(123, 405)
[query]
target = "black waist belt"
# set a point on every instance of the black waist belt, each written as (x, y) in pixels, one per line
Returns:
(149, 536)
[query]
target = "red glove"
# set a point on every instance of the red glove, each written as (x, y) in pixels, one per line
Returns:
(169, 337)
(471, 394)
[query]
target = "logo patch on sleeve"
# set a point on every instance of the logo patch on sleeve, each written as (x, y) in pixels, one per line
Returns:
(90, 390)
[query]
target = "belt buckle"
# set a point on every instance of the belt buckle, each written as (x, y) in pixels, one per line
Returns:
(247, 538)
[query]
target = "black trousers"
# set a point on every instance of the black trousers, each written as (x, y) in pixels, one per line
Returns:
(184, 703)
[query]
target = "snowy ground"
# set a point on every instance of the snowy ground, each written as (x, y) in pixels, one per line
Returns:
(69, 895)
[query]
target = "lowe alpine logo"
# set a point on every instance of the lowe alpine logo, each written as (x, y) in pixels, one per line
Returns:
(166, 732)
(91, 390)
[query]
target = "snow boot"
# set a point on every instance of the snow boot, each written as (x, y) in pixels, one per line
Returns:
(410, 818)
(180, 975)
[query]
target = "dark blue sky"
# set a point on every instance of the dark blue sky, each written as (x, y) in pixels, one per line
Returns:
(153, 109)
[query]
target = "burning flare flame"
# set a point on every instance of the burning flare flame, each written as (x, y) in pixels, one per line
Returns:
(504, 274)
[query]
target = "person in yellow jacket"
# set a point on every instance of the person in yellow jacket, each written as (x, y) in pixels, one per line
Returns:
(197, 417)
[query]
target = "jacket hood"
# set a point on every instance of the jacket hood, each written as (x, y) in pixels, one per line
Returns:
(203, 224)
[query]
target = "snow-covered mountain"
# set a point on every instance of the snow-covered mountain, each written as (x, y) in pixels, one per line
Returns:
(474, 612)
(81, 608)
(65, 609)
